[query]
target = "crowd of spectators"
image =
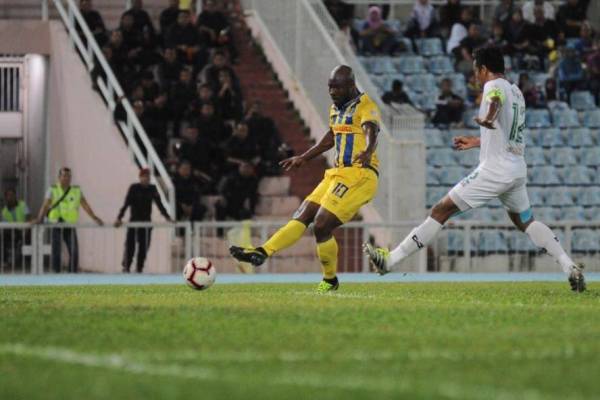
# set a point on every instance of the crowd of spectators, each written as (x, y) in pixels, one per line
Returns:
(182, 86)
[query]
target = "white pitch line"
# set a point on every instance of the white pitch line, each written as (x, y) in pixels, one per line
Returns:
(345, 295)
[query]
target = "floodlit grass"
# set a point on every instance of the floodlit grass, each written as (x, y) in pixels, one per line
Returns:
(367, 341)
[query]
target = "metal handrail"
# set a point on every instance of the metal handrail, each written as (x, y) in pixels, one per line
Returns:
(109, 89)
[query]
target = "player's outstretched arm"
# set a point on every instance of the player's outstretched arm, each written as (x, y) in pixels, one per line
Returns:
(492, 114)
(321, 147)
(466, 142)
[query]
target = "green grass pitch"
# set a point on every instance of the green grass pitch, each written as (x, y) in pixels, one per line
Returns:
(283, 341)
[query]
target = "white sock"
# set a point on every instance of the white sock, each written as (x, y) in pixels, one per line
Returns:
(416, 240)
(544, 238)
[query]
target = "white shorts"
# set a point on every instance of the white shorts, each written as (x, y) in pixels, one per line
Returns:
(480, 187)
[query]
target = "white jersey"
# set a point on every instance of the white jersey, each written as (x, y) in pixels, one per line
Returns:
(502, 149)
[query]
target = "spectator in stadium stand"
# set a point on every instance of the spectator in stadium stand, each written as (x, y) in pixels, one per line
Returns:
(181, 96)
(376, 36)
(593, 68)
(229, 99)
(132, 38)
(241, 149)
(93, 20)
(238, 194)
(263, 131)
(205, 94)
(498, 38)
(459, 30)
(119, 51)
(397, 95)
(474, 92)
(187, 194)
(196, 148)
(516, 34)
(210, 73)
(571, 75)
(504, 11)
(339, 10)
(585, 43)
(449, 106)
(141, 19)
(212, 125)
(533, 96)
(139, 199)
(214, 26)
(464, 53)
(550, 90)
(541, 35)
(570, 17)
(184, 37)
(450, 14)
(62, 206)
(158, 115)
(168, 68)
(423, 21)
(149, 86)
(168, 16)
(529, 6)
(14, 211)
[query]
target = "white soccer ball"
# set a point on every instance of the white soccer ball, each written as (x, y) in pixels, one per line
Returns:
(199, 273)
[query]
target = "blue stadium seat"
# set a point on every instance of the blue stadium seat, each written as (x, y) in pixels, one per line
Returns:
(441, 65)
(382, 65)
(406, 42)
(434, 138)
(579, 137)
(441, 157)
(497, 214)
(535, 156)
(426, 101)
(565, 119)
(529, 139)
(410, 65)
(421, 83)
(468, 116)
(382, 82)
(456, 240)
(395, 24)
(507, 63)
(563, 156)
(585, 240)
(491, 241)
(539, 79)
(578, 175)
(547, 214)
(429, 47)
(543, 175)
(433, 176)
(573, 213)
(537, 196)
(469, 158)
(589, 196)
(591, 118)
(538, 119)
(520, 242)
(358, 24)
(550, 137)
(590, 156)
(451, 175)
(435, 194)
(582, 100)
(558, 197)
(592, 213)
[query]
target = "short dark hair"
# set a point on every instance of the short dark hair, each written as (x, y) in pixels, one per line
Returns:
(491, 58)
(64, 170)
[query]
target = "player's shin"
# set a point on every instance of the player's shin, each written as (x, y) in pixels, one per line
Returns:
(286, 236)
(328, 254)
(544, 238)
(417, 239)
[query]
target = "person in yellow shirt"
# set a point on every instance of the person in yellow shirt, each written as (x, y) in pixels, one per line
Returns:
(354, 121)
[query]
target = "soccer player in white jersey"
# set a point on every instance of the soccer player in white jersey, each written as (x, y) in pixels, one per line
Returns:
(501, 174)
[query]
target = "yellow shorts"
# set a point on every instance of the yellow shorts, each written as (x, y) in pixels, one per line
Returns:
(343, 191)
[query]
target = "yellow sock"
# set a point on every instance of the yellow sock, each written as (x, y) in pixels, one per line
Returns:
(286, 236)
(328, 252)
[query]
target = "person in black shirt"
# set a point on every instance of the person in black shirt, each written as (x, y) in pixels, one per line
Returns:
(93, 20)
(187, 194)
(141, 19)
(139, 200)
(198, 150)
(168, 16)
(239, 194)
(449, 106)
(184, 37)
(570, 17)
(396, 95)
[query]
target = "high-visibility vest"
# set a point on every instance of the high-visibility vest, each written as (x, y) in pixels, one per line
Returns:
(19, 213)
(68, 208)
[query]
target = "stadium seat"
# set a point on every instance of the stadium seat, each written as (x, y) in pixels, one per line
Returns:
(582, 100)
(558, 197)
(433, 176)
(410, 64)
(591, 118)
(588, 196)
(590, 156)
(565, 119)
(395, 24)
(538, 119)
(578, 137)
(434, 138)
(535, 156)
(421, 83)
(441, 157)
(426, 101)
(382, 65)
(529, 139)
(574, 213)
(429, 47)
(468, 116)
(382, 82)
(435, 194)
(456, 241)
(547, 214)
(550, 137)
(539, 79)
(585, 240)
(520, 242)
(407, 44)
(491, 241)
(544, 175)
(507, 63)
(469, 158)
(562, 156)
(578, 175)
(537, 196)
(441, 65)
(592, 213)
(497, 214)
(451, 175)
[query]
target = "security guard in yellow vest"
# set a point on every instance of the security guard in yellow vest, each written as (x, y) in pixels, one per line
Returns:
(62, 206)
(14, 211)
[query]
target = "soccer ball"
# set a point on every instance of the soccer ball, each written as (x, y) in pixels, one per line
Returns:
(199, 273)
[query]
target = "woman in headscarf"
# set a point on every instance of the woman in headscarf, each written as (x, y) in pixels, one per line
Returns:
(377, 37)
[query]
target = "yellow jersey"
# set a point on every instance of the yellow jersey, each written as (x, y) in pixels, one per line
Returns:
(346, 124)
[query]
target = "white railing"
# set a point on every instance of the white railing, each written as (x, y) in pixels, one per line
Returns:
(111, 91)
(26, 248)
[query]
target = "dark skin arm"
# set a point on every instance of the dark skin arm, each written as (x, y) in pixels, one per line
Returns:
(321, 147)
(492, 114)
(371, 131)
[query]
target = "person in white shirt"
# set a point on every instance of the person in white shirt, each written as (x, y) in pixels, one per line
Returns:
(529, 7)
(501, 174)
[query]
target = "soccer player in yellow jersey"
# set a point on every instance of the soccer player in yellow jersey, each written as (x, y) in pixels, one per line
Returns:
(354, 121)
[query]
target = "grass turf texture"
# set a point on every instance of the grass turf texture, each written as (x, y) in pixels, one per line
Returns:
(413, 341)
